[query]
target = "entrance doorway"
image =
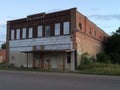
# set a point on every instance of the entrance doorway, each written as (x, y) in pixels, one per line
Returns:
(38, 60)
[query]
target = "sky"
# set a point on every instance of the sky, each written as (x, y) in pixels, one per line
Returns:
(104, 13)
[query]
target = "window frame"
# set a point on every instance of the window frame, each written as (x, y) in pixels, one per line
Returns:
(66, 29)
(95, 33)
(68, 58)
(24, 31)
(47, 30)
(90, 31)
(57, 29)
(12, 34)
(40, 31)
(17, 34)
(30, 32)
(80, 26)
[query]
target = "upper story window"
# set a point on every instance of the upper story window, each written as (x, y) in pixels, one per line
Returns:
(39, 31)
(66, 28)
(95, 33)
(100, 37)
(90, 31)
(24, 33)
(47, 31)
(12, 34)
(80, 26)
(18, 34)
(57, 29)
(30, 34)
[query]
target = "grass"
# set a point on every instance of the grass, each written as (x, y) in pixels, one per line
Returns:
(11, 67)
(94, 68)
(100, 69)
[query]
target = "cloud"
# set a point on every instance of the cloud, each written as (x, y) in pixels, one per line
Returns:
(53, 10)
(2, 29)
(107, 26)
(94, 9)
(105, 17)
(2, 26)
(2, 32)
(4, 19)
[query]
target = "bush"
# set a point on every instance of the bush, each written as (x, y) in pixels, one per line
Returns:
(11, 66)
(85, 59)
(115, 58)
(100, 67)
(103, 58)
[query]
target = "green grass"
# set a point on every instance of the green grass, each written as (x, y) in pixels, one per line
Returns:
(100, 69)
(94, 68)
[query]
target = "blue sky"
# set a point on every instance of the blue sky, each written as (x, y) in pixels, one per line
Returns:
(104, 13)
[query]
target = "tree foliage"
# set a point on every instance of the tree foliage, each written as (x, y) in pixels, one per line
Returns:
(3, 46)
(103, 58)
(112, 46)
(85, 59)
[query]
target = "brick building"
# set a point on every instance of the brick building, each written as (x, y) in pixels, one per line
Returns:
(53, 40)
(2, 55)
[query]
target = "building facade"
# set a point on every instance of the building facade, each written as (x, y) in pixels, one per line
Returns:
(53, 40)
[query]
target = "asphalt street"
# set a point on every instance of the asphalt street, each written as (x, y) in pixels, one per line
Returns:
(20, 80)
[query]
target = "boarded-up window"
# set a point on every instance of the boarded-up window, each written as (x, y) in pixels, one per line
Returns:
(66, 27)
(57, 29)
(39, 33)
(30, 35)
(24, 33)
(47, 31)
(18, 34)
(12, 34)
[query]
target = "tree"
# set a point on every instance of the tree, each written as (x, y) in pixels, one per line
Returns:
(3, 46)
(103, 58)
(112, 46)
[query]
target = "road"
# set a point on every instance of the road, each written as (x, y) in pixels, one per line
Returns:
(19, 80)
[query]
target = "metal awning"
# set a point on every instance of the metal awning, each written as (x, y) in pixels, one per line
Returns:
(40, 51)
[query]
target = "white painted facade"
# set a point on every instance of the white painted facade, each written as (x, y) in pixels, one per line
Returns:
(50, 43)
(18, 59)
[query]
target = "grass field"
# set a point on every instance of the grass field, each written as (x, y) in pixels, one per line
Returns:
(100, 69)
(94, 68)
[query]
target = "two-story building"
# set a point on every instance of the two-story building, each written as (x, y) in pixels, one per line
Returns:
(52, 40)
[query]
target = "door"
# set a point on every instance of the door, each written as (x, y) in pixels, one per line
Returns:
(54, 62)
(37, 60)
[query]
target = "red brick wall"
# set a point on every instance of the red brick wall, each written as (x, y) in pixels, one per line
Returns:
(86, 41)
(3, 54)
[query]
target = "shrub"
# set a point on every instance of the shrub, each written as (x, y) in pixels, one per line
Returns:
(11, 66)
(103, 58)
(85, 58)
(115, 58)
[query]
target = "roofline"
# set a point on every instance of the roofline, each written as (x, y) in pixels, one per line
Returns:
(41, 13)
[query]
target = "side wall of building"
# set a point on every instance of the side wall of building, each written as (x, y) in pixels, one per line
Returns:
(88, 37)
